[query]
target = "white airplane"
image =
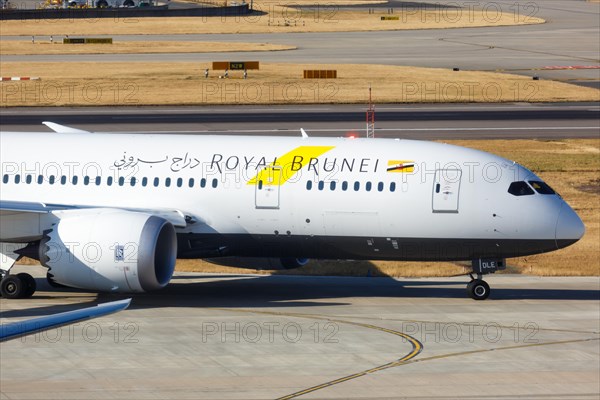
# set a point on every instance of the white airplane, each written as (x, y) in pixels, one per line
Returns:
(111, 212)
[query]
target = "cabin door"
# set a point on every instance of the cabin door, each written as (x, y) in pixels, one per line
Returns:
(446, 190)
(267, 187)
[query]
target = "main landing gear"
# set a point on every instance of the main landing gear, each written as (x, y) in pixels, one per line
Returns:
(19, 286)
(478, 289)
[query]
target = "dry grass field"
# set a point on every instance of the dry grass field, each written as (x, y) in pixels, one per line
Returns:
(279, 17)
(571, 167)
(183, 83)
(21, 47)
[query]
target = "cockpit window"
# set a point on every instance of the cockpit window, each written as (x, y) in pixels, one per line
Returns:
(520, 188)
(541, 187)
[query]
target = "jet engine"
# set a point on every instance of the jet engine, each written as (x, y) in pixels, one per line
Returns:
(110, 250)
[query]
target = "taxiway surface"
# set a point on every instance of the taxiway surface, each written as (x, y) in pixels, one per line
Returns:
(570, 37)
(427, 122)
(266, 337)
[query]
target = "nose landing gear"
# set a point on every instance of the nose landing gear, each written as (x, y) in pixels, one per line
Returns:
(478, 289)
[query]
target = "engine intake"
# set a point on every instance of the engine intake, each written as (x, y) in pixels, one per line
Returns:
(110, 250)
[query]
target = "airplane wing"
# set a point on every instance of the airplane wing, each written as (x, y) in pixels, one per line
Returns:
(27, 207)
(178, 218)
(18, 329)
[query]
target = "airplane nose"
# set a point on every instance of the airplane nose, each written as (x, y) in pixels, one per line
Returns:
(569, 227)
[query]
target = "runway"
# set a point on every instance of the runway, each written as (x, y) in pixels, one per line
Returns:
(267, 337)
(429, 121)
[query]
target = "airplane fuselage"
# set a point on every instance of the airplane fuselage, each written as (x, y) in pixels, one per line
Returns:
(335, 198)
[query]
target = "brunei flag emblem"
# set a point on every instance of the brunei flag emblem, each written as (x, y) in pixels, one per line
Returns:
(400, 166)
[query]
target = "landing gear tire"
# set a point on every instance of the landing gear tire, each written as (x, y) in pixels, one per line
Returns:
(478, 289)
(13, 287)
(30, 285)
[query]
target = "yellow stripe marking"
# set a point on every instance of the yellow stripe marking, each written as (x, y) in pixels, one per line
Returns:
(288, 165)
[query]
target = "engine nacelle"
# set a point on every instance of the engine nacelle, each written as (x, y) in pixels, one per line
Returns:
(110, 250)
(262, 263)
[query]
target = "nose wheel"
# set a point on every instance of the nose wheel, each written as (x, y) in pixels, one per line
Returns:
(478, 289)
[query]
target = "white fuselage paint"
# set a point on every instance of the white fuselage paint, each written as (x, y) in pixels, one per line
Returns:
(472, 203)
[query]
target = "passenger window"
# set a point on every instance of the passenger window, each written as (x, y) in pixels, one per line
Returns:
(109, 181)
(356, 186)
(5, 178)
(144, 181)
(308, 185)
(541, 187)
(321, 185)
(63, 180)
(51, 179)
(179, 182)
(332, 186)
(98, 181)
(392, 186)
(260, 184)
(86, 180)
(17, 178)
(75, 180)
(380, 186)
(121, 181)
(215, 182)
(191, 182)
(28, 179)
(167, 182)
(40, 179)
(156, 182)
(368, 186)
(132, 182)
(520, 188)
(344, 186)
(202, 182)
